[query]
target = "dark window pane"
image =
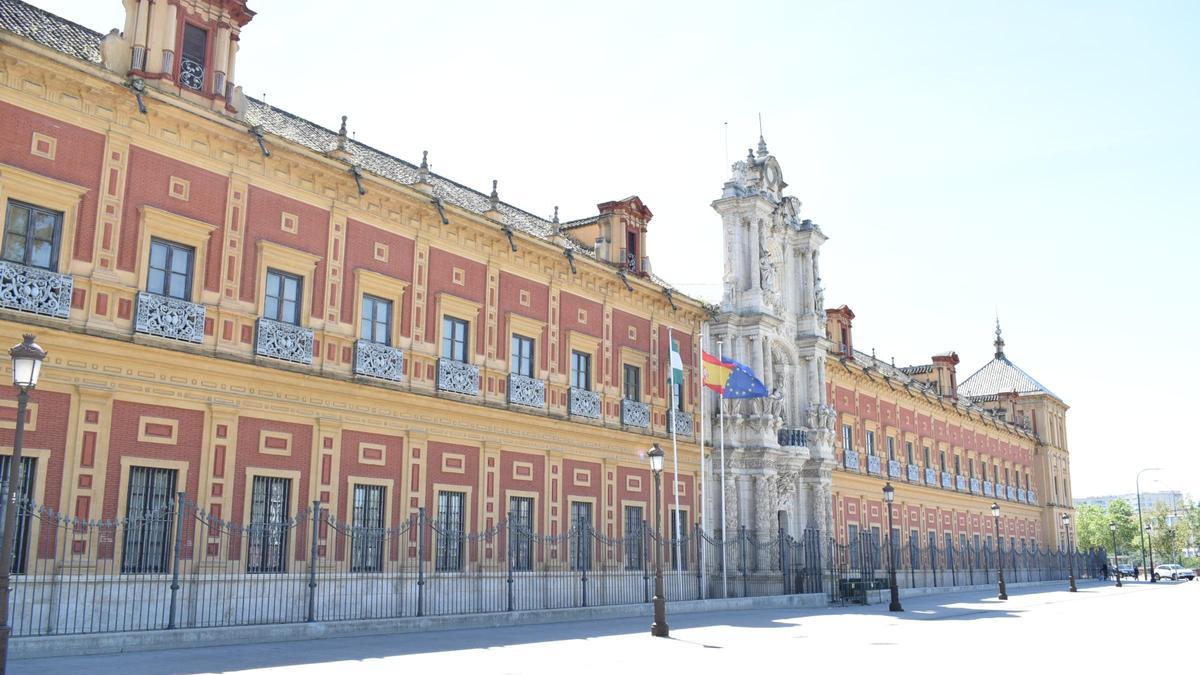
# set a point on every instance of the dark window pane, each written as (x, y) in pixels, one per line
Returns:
(31, 235)
(269, 528)
(149, 521)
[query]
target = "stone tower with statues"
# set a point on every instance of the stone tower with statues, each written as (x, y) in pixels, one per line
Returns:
(779, 449)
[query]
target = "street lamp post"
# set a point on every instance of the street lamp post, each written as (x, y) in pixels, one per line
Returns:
(659, 628)
(1112, 527)
(999, 563)
(1141, 530)
(1150, 537)
(888, 496)
(1066, 521)
(27, 366)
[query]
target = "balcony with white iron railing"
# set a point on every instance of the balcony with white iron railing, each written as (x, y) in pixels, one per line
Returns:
(168, 317)
(680, 422)
(893, 468)
(378, 360)
(635, 414)
(284, 341)
(526, 391)
(1021, 496)
(850, 459)
(583, 403)
(458, 377)
(960, 483)
(35, 290)
(914, 473)
(976, 486)
(947, 482)
(931, 477)
(874, 466)
(988, 491)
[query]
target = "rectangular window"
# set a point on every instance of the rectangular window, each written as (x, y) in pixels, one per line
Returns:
(522, 356)
(520, 531)
(454, 339)
(983, 467)
(31, 235)
(581, 370)
(928, 465)
(871, 443)
(942, 460)
(1006, 475)
(282, 301)
(847, 437)
(633, 383)
(970, 467)
(957, 465)
(376, 325)
(24, 490)
(677, 392)
(268, 531)
(581, 535)
(875, 550)
(914, 549)
(908, 451)
(193, 59)
(633, 538)
(366, 540)
(450, 526)
(170, 269)
(679, 543)
(149, 512)
(891, 446)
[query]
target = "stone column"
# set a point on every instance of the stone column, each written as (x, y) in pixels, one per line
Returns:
(755, 244)
(806, 286)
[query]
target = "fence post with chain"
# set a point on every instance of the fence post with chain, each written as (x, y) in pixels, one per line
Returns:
(512, 535)
(420, 561)
(312, 563)
(175, 561)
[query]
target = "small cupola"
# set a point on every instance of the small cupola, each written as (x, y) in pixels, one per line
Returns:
(945, 374)
(186, 47)
(839, 329)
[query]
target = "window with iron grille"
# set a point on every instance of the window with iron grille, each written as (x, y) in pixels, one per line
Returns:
(23, 486)
(520, 532)
(522, 355)
(852, 533)
(366, 544)
(451, 526)
(679, 536)
(874, 549)
(633, 538)
(933, 547)
(914, 548)
(31, 235)
(376, 323)
(149, 521)
(194, 57)
(581, 370)
(581, 541)
(454, 339)
(170, 269)
(270, 499)
(633, 383)
(282, 300)
(894, 547)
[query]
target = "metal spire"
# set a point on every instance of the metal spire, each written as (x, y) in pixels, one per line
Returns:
(999, 343)
(762, 144)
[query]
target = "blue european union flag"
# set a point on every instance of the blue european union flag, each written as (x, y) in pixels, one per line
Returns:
(742, 383)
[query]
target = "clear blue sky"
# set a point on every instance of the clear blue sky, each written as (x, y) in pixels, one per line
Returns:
(1036, 159)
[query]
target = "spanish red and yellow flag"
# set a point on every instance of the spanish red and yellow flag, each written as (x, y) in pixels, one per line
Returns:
(716, 373)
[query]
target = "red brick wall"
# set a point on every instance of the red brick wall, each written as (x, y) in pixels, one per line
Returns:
(393, 468)
(147, 184)
(264, 213)
(53, 413)
(360, 254)
(123, 442)
(248, 456)
(441, 280)
(511, 286)
(78, 159)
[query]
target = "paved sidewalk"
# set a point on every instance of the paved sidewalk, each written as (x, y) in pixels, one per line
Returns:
(1033, 632)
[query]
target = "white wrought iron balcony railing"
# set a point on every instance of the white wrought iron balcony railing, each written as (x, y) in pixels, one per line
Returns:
(458, 377)
(893, 468)
(946, 482)
(680, 422)
(284, 341)
(169, 317)
(1031, 496)
(960, 483)
(635, 414)
(914, 473)
(1021, 495)
(851, 459)
(873, 465)
(1000, 494)
(583, 403)
(1012, 493)
(930, 476)
(30, 289)
(378, 360)
(526, 391)
(976, 486)
(987, 489)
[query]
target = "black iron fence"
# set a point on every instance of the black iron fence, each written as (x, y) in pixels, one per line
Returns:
(181, 567)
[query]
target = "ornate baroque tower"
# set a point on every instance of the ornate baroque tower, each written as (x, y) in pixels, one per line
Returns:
(778, 450)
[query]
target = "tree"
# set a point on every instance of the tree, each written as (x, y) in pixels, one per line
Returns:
(1091, 524)
(1128, 541)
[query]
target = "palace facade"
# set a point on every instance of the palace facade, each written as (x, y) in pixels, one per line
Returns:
(246, 307)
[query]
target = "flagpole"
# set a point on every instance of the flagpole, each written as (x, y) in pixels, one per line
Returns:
(721, 414)
(675, 486)
(703, 480)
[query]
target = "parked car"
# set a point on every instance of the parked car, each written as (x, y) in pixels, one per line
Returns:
(1125, 570)
(1174, 572)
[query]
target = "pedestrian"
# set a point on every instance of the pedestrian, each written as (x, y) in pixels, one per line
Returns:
(1104, 571)
(1135, 572)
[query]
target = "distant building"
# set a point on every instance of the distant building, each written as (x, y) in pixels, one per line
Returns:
(1174, 499)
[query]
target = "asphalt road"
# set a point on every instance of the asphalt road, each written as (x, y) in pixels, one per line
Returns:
(1101, 629)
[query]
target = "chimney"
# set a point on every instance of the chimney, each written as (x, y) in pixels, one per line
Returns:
(838, 329)
(947, 378)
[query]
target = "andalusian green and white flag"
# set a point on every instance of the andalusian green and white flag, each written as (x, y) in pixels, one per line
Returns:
(676, 361)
